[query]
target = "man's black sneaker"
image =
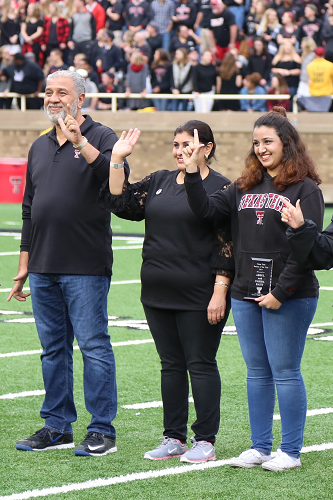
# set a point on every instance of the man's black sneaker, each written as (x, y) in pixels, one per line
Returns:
(45, 439)
(96, 444)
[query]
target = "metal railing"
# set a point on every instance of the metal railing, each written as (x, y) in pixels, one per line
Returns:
(114, 97)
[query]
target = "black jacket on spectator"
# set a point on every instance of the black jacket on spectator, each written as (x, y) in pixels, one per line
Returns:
(95, 53)
(161, 77)
(260, 64)
(112, 58)
(154, 43)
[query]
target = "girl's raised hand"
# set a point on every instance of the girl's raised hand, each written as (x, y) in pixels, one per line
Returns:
(293, 216)
(191, 153)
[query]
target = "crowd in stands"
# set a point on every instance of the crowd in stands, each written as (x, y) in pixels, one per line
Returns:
(172, 47)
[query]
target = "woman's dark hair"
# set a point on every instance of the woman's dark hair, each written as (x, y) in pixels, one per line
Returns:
(296, 161)
(254, 79)
(264, 50)
(164, 58)
(228, 66)
(204, 131)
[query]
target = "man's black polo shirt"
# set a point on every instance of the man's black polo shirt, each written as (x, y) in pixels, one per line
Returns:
(65, 230)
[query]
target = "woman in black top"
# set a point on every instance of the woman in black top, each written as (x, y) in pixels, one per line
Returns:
(160, 71)
(31, 31)
(10, 26)
(287, 63)
(231, 82)
(182, 259)
(260, 61)
(205, 79)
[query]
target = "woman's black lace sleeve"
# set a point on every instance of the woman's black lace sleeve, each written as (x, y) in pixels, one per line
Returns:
(222, 260)
(131, 203)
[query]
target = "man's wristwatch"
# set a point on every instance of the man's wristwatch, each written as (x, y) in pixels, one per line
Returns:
(80, 146)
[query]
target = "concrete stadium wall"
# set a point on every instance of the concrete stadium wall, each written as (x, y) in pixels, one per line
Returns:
(233, 134)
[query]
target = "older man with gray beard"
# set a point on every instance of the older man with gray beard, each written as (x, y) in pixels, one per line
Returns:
(66, 250)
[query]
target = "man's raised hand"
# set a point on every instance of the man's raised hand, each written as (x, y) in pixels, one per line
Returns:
(70, 128)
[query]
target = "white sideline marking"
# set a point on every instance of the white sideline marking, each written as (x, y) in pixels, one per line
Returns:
(76, 347)
(153, 404)
(19, 320)
(321, 324)
(329, 288)
(158, 404)
(136, 476)
(130, 248)
(311, 413)
(330, 338)
(10, 253)
(22, 394)
(10, 234)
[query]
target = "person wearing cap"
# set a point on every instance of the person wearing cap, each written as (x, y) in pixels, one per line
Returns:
(90, 103)
(320, 74)
(66, 249)
(111, 55)
(312, 26)
(153, 38)
(223, 29)
(161, 13)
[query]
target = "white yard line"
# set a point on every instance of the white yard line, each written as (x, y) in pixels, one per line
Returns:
(152, 404)
(136, 476)
(39, 351)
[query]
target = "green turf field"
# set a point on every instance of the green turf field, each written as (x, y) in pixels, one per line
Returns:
(125, 475)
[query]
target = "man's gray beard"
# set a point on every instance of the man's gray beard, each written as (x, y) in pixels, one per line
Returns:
(62, 114)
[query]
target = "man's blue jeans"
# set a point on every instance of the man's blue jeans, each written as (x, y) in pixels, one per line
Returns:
(65, 306)
(272, 344)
